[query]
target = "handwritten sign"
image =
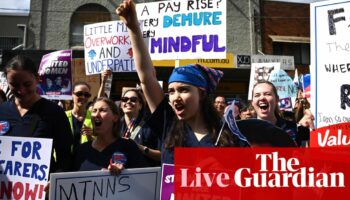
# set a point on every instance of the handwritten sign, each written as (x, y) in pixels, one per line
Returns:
(330, 69)
(184, 29)
(167, 187)
(55, 72)
(260, 72)
(283, 83)
(24, 167)
(107, 45)
(140, 183)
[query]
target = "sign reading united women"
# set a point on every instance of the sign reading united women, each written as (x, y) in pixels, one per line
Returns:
(184, 29)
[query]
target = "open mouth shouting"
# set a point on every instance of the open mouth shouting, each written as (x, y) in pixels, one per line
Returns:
(179, 109)
(98, 122)
(264, 106)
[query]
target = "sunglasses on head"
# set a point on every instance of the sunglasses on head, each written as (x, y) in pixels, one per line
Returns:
(126, 99)
(85, 94)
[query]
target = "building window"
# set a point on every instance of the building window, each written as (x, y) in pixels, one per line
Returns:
(86, 14)
(300, 51)
(8, 43)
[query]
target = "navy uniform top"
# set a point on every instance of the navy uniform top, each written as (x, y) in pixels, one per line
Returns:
(88, 158)
(298, 133)
(144, 136)
(161, 122)
(44, 119)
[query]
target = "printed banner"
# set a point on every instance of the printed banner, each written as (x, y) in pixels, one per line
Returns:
(167, 186)
(184, 29)
(142, 183)
(24, 167)
(285, 104)
(330, 69)
(107, 45)
(286, 62)
(331, 136)
(55, 72)
(262, 173)
(260, 72)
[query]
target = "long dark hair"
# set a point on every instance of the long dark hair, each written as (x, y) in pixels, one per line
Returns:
(20, 62)
(213, 122)
(115, 110)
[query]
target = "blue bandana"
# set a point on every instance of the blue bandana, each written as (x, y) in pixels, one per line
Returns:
(197, 75)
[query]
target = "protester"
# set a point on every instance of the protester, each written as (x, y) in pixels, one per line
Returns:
(29, 115)
(220, 104)
(3, 97)
(133, 125)
(247, 112)
(108, 150)
(265, 102)
(80, 117)
(187, 117)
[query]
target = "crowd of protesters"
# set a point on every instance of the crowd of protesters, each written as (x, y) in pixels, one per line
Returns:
(149, 124)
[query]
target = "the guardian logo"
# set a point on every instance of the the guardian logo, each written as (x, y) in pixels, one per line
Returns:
(273, 172)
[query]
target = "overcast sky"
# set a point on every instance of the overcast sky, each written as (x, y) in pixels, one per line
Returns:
(14, 7)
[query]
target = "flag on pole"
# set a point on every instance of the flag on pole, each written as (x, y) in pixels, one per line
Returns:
(231, 122)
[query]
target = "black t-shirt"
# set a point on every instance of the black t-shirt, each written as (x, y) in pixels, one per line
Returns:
(44, 119)
(88, 158)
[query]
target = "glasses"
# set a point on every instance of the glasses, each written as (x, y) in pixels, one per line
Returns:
(126, 99)
(85, 94)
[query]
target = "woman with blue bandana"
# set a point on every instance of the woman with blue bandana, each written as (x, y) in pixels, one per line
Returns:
(187, 117)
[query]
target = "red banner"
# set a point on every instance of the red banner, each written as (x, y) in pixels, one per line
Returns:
(331, 136)
(262, 173)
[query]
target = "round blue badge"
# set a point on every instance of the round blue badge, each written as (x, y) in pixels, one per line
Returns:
(4, 127)
(119, 157)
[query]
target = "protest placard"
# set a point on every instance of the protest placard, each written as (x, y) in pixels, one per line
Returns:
(330, 62)
(142, 183)
(56, 75)
(283, 83)
(24, 167)
(184, 29)
(167, 186)
(260, 72)
(107, 45)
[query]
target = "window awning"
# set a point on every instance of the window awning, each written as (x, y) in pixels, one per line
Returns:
(289, 39)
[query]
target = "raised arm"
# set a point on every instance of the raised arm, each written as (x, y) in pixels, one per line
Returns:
(144, 67)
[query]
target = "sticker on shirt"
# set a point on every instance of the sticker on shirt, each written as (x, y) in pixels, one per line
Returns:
(4, 127)
(119, 157)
